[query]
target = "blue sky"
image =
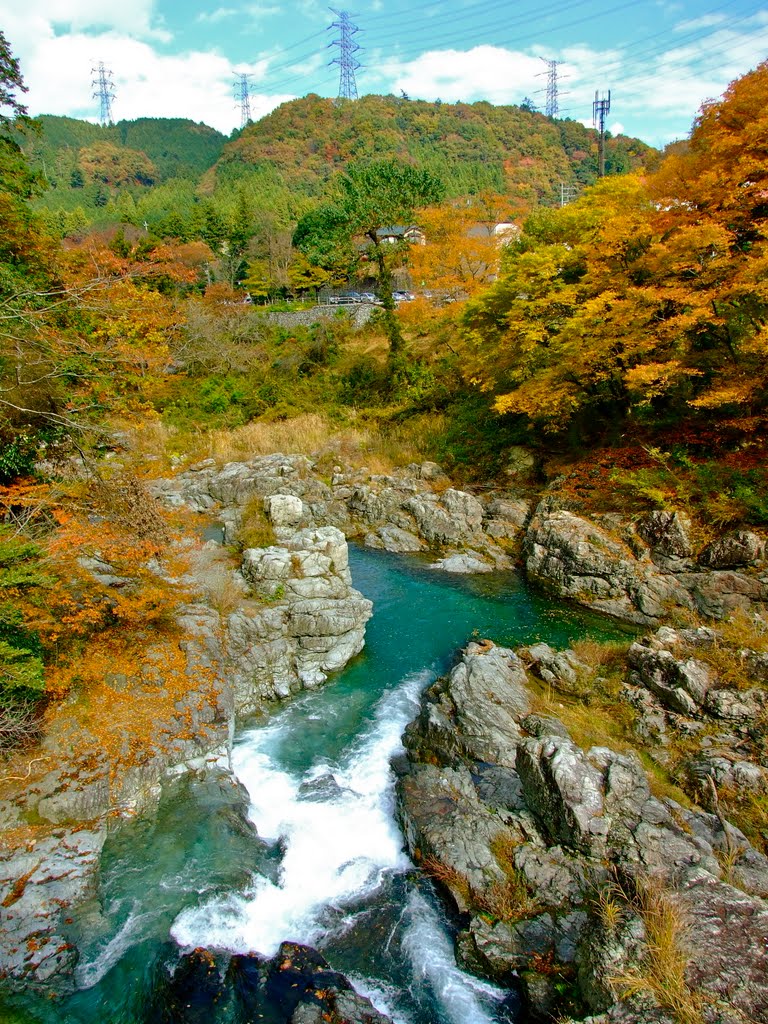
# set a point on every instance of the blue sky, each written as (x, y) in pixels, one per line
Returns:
(659, 58)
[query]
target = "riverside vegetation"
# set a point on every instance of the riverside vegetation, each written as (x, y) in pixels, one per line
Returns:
(591, 407)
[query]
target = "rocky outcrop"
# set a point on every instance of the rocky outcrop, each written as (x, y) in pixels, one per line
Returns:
(313, 625)
(409, 510)
(558, 858)
(681, 683)
(297, 986)
(40, 880)
(640, 572)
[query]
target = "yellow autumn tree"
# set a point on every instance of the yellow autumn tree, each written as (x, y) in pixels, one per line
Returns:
(644, 298)
(461, 251)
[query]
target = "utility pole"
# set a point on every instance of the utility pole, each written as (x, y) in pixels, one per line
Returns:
(567, 193)
(551, 108)
(243, 97)
(600, 109)
(347, 61)
(104, 92)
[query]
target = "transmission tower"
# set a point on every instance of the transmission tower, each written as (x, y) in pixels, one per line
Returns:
(348, 63)
(103, 91)
(551, 108)
(600, 109)
(243, 97)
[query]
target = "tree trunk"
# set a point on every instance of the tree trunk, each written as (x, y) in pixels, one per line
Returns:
(391, 326)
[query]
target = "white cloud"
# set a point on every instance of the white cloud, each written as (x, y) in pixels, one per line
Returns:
(147, 84)
(484, 72)
(259, 11)
(56, 17)
(217, 15)
(705, 21)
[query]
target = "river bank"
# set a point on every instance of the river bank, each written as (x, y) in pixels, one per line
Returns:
(294, 619)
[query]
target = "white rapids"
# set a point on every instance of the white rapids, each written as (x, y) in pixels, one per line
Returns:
(340, 841)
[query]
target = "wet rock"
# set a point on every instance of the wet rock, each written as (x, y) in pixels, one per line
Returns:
(297, 986)
(301, 988)
(195, 993)
(468, 563)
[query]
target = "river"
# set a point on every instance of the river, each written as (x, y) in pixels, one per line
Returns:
(322, 859)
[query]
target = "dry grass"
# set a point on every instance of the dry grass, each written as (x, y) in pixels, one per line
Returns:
(449, 877)
(507, 899)
(255, 530)
(662, 972)
(379, 445)
(212, 569)
(608, 656)
(742, 630)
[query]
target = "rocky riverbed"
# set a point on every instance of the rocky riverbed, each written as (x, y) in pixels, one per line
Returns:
(638, 568)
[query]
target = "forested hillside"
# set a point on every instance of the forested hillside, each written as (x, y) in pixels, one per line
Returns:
(471, 147)
(183, 181)
(94, 173)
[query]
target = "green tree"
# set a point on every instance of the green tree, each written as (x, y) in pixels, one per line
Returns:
(11, 83)
(383, 194)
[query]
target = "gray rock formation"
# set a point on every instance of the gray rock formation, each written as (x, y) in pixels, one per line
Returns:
(407, 511)
(313, 626)
(639, 574)
(525, 830)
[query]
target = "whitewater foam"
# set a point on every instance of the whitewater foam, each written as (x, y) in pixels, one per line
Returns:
(335, 850)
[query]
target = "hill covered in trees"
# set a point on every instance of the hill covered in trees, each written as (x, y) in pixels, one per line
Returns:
(186, 181)
(471, 147)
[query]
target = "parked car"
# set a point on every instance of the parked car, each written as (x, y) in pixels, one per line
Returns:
(349, 298)
(367, 297)
(403, 296)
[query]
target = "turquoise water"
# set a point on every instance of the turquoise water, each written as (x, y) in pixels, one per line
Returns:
(322, 860)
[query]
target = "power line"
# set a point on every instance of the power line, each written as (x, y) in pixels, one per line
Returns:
(103, 91)
(347, 61)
